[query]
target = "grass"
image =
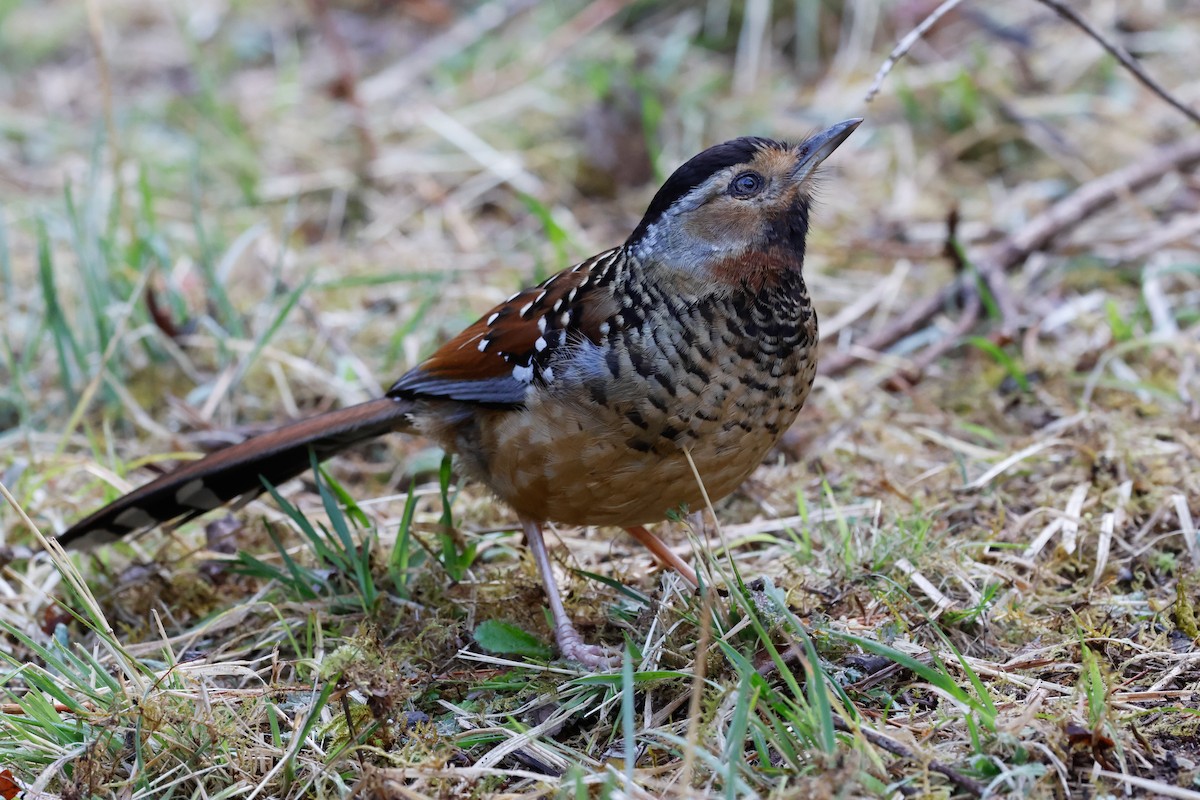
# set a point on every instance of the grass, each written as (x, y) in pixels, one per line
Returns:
(983, 582)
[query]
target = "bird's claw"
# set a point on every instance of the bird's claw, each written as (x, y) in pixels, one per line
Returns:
(593, 656)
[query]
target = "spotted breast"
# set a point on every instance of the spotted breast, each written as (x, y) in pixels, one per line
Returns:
(669, 371)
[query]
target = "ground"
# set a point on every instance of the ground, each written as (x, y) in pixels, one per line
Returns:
(970, 568)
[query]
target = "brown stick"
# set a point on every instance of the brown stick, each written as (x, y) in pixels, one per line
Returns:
(895, 748)
(793, 656)
(1087, 200)
(1035, 235)
(965, 322)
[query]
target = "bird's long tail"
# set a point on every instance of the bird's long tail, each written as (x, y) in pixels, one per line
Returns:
(216, 479)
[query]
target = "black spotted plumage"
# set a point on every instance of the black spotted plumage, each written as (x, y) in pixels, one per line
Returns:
(651, 377)
(496, 360)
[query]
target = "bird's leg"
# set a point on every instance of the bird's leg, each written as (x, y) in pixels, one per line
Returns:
(570, 643)
(660, 551)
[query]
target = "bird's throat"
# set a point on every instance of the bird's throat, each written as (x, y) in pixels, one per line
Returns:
(759, 271)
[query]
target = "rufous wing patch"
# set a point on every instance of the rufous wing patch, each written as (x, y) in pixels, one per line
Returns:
(512, 345)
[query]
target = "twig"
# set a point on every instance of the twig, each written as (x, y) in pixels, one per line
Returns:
(794, 656)
(1014, 249)
(972, 303)
(1063, 10)
(1147, 243)
(1087, 200)
(895, 748)
(1121, 54)
(966, 321)
(901, 49)
(16, 709)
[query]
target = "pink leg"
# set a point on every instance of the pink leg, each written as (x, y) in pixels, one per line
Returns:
(663, 553)
(570, 643)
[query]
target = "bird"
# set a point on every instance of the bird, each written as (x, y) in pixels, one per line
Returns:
(648, 378)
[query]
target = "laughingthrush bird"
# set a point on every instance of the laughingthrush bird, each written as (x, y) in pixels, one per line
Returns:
(610, 394)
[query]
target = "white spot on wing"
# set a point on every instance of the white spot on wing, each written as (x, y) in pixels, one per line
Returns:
(604, 328)
(542, 324)
(483, 343)
(525, 308)
(492, 319)
(540, 344)
(523, 374)
(548, 375)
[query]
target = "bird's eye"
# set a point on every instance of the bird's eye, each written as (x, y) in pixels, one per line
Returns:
(746, 184)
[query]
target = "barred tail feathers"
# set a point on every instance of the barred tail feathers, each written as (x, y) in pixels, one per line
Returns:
(217, 479)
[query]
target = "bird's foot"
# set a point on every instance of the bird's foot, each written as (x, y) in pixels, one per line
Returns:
(593, 656)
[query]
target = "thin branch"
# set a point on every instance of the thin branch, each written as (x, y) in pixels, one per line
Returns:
(1121, 54)
(1087, 200)
(895, 748)
(901, 49)
(1035, 235)
(1063, 10)
(965, 322)
(793, 656)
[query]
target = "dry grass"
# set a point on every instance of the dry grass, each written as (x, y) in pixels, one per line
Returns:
(982, 580)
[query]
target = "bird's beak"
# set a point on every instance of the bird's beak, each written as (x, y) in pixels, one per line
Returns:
(818, 148)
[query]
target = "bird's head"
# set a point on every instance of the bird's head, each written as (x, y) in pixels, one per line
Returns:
(737, 213)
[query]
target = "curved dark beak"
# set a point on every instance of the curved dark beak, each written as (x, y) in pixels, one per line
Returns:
(817, 148)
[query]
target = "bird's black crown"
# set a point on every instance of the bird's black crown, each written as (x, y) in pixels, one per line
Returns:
(696, 171)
